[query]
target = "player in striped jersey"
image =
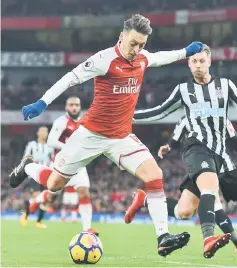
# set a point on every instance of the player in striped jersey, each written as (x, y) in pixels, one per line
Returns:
(205, 99)
(186, 206)
(41, 198)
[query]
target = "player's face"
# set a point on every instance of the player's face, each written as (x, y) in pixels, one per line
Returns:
(42, 133)
(199, 65)
(132, 43)
(73, 108)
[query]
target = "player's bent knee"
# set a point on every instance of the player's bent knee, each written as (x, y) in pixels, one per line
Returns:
(149, 171)
(56, 182)
(186, 213)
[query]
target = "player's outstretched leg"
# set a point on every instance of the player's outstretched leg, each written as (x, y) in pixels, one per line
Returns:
(27, 167)
(18, 174)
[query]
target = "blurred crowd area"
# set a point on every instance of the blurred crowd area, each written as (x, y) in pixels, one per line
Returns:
(99, 7)
(111, 189)
(157, 86)
(94, 39)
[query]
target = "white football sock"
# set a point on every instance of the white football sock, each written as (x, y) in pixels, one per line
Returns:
(176, 212)
(63, 214)
(74, 215)
(33, 170)
(85, 211)
(157, 207)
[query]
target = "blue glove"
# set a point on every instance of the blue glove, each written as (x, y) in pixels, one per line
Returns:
(32, 110)
(193, 48)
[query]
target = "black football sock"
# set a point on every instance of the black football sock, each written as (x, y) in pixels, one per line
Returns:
(40, 215)
(27, 208)
(225, 224)
(171, 203)
(206, 214)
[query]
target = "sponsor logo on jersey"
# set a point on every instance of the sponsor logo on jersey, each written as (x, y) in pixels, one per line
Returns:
(130, 88)
(204, 110)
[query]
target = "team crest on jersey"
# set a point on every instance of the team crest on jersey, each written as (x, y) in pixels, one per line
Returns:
(142, 64)
(88, 65)
(61, 162)
(219, 93)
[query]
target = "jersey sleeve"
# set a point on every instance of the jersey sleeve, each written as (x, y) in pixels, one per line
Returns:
(170, 105)
(97, 65)
(28, 149)
(232, 91)
(164, 57)
(55, 133)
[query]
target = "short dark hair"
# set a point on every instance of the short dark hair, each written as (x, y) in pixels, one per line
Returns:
(73, 97)
(138, 23)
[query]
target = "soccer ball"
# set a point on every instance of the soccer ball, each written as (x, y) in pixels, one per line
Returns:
(85, 248)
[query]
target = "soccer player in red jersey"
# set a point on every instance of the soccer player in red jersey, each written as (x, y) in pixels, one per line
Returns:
(77, 189)
(106, 127)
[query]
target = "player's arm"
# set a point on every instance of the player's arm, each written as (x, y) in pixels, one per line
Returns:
(94, 66)
(232, 91)
(175, 139)
(166, 57)
(54, 135)
(28, 149)
(231, 135)
(170, 105)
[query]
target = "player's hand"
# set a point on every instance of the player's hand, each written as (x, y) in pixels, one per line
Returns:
(163, 150)
(193, 48)
(32, 110)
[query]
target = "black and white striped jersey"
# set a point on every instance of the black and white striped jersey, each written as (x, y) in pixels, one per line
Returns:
(205, 107)
(180, 132)
(41, 152)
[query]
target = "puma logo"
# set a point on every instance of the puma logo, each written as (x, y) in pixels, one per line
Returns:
(224, 222)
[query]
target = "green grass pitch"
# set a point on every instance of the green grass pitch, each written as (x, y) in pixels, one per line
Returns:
(124, 246)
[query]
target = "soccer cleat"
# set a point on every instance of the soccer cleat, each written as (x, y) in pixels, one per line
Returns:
(169, 243)
(41, 225)
(137, 204)
(213, 243)
(23, 219)
(93, 231)
(18, 174)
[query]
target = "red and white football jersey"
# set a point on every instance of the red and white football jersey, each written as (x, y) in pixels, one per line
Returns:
(62, 129)
(117, 84)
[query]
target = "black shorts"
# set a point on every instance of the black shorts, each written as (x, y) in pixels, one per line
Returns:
(228, 185)
(199, 159)
(189, 185)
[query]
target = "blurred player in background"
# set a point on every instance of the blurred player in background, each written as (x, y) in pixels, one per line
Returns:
(106, 127)
(42, 153)
(77, 191)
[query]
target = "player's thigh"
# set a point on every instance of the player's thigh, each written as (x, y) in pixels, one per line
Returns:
(81, 179)
(199, 160)
(80, 149)
(187, 204)
(132, 155)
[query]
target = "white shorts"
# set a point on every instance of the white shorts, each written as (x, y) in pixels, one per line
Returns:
(81, 179)
(70, 198)
(83, 146)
